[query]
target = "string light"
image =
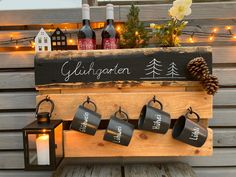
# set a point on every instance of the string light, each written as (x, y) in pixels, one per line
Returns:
(32, 44)
(16, 46)
(118, 28)
(191, 39)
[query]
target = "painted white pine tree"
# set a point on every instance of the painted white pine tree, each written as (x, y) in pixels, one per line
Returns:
(153, 68)
(172, 70)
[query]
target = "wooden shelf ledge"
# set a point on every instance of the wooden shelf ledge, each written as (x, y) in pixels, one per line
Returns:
(143, 144)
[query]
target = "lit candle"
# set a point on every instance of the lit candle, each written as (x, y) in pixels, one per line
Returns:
(42, 144)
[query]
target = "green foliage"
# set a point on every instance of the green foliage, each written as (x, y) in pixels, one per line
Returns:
(168, 34)
(133, 33)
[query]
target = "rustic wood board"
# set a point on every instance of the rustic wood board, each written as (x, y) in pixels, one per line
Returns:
(159, 170)
(142, 144)
(139, 65)
(91, 171)
(175, 103)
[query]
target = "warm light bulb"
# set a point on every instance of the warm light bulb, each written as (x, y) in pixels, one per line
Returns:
(152, 25)
(32, 44)
(71, 41)
(234, 37)
(136, 33)
(228, 27)
(17, 47)
(191, 40)
(118, 28)
(215, 30)
(211, 38)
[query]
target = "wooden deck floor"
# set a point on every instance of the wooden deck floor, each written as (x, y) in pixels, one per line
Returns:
(148, 170)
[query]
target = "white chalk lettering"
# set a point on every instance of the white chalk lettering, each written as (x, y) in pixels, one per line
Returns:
(117, 137)
(81, 70)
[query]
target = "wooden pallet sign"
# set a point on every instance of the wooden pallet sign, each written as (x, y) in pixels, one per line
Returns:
(128, 78)
(150, 64)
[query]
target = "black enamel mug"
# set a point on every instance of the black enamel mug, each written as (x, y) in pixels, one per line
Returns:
(86, 120)
(118, 130)
(154, 119)
(188, 131)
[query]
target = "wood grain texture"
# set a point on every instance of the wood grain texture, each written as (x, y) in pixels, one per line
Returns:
(175, 103)
(15, 120)
(16, 80)
(22, 173)
(159, 170)
(222, 157)
(11, 160)
(221, 54)
(11, 140)
(17, 59)
(143, 144)
(226, 75)
(17, 100)
(224, 137)
(147, 13)
(215, 171)
(91, 171)
(223, 117)
(225, 97)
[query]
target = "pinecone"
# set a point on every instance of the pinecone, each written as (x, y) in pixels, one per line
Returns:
(197, 67)
(210, 84)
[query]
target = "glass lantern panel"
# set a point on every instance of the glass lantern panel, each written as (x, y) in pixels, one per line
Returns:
(39, 151)
(59, 142)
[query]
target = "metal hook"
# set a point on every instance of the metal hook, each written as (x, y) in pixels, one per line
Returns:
(88, 99)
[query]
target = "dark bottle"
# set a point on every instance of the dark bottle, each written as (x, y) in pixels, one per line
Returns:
(86, 36)
(110, 37)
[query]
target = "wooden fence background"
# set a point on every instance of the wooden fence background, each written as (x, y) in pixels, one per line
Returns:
(17, 93)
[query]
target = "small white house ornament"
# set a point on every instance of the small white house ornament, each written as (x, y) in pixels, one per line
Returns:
(42, 41)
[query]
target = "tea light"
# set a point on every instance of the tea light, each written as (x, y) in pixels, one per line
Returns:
(42, 144)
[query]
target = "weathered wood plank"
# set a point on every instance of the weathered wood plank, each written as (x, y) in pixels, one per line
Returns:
(17, 59)
(159, 170)
(147, 13)
(21, 173)
(91, 171)
(19, 80)
(224, 137)
(225, 97)
(226, 76)
(143, 144)
(15, 120)
(222, 54)
(175, 104)
(17, 100)
(11, 160)
(221, 157)
(223, 117)
(16, 80)
(215, 171)
(11, 140)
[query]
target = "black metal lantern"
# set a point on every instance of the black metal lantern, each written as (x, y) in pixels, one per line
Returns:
(43, 141)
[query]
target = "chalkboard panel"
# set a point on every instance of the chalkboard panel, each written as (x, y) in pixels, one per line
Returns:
(150, 64)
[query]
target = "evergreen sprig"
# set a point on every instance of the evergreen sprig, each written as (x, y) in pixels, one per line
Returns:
(133, 33)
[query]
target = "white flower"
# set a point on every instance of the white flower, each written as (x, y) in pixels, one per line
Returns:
(180, 9)
(152, 25)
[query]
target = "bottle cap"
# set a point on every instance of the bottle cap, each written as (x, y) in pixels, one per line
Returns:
(110, 11)
(85, 12)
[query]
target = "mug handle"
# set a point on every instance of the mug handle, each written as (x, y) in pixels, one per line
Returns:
(190, 111)
(89, 101)
(154, 100)
(122, 112)
(47, 99)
